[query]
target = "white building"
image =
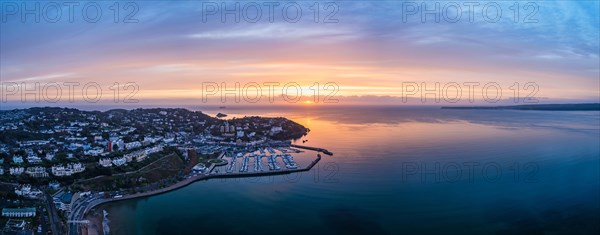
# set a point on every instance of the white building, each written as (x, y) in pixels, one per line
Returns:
(276, 129)
(132, 145)
(70, 169)
(105, 162)
(18, 212)
(58, 170)
(119, 161)
(49, 156)
(94, 151)
(77, 167)
(27, 191)
(33, 159)
(54, 185)
(16, 170)
(38, 172)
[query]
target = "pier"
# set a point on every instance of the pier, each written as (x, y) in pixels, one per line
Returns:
(325, 151)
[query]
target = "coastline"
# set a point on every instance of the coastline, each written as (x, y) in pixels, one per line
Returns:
(81, 214)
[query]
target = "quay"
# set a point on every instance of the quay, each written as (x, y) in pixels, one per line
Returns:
(325, 151)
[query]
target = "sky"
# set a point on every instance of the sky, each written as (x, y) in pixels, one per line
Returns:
(351, 52)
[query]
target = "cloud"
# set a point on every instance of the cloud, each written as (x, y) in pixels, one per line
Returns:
(278, 31)
(43, 77)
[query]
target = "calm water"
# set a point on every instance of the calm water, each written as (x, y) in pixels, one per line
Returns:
(401, 171)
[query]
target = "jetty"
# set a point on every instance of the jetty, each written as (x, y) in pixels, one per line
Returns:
(325, 151)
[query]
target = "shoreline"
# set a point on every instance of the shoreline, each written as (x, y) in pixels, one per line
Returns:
(191, 180)
(81, 214)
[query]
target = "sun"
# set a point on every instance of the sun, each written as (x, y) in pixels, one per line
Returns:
(307, 102)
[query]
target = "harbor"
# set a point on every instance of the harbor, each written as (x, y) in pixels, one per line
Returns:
(275, 155)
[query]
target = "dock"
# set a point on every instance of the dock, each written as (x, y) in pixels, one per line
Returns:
(264, 173)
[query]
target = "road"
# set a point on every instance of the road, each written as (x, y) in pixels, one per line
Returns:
(53, 215)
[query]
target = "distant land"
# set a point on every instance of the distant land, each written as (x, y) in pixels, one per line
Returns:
(544, 107)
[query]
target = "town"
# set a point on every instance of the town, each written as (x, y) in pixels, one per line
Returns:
(56, 162)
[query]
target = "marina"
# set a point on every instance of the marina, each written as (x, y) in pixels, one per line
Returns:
(253, 160)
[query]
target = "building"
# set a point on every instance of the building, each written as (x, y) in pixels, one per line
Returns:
(14, 225)
(105, 162)
(276, 129)
(49, 156)
(119, 161)
(94, 151)
(58, 170)
(70, 169)
(16, 170)
(33, 159)
(109, 146)
(18, 159)
(54, 185)
(226, 128)
(132, 145)
(63, 202)
(18, 212)
(37, 172)
(27, 191)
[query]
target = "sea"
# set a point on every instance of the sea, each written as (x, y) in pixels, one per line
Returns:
(399, 170)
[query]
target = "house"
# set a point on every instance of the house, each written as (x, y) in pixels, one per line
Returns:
(49, 156)
(16, 170)
(33, 159)
(27, 191)
(119, 161)
(132, 145)
(18, 159)
(77, 167)
(105, 162)
(94, 152)
(70, 169)
(58, 170)
(275, 130)
(37, 172)
(54, 185)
